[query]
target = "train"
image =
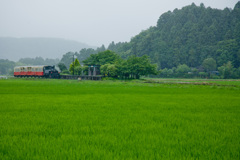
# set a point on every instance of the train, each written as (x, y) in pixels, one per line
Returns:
(45, 71)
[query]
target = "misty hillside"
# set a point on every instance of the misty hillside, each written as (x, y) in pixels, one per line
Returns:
(189, 36)
(16, 48)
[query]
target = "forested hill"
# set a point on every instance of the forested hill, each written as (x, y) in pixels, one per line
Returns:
(188, 36)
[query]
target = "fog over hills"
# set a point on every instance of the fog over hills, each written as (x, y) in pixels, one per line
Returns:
(16, 48)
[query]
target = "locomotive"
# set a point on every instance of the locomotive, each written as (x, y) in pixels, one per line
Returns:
(36, 71)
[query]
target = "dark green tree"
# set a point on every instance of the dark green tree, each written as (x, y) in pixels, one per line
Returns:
(85, 53)
(123, 70)
(62, 66)
(226, 70)
(6, 67)
(209, 64)
(102, 58)
(109, 70)
(67, 58)
(182, 70)
(140, 66)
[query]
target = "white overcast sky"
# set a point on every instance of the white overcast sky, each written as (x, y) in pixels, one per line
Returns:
(94, 22)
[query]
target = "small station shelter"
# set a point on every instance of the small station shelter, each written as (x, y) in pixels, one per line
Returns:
(93, 74)
(93, 70)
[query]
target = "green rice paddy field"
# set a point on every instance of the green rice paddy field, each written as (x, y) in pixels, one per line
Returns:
(69, 119)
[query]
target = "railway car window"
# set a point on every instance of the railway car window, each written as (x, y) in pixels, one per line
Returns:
(39, 69)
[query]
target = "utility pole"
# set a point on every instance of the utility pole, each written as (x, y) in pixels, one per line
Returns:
(73, 64)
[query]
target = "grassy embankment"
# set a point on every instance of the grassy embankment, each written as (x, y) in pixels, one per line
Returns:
(66, 119)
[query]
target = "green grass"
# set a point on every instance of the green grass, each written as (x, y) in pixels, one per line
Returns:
(68, 119)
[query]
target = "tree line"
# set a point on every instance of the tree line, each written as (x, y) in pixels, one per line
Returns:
(209, 70)
(112, 65)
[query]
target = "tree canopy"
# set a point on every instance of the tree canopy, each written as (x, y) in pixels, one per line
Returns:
(113, 66)
(102, 58)
(209, 64)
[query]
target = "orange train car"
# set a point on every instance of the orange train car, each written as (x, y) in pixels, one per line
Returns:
(36, 71)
